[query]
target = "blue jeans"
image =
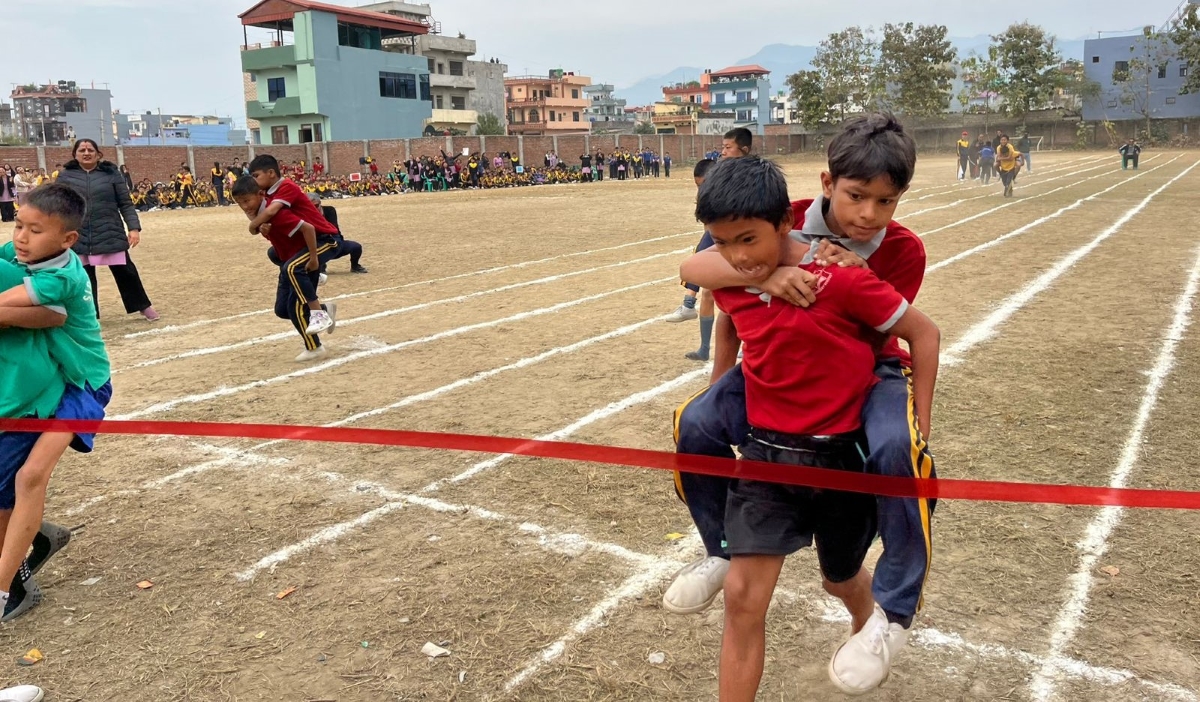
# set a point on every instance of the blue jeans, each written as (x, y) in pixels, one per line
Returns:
(713, 420)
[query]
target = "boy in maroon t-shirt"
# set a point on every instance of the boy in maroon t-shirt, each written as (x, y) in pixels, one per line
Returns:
(304, 267)
(808, 371)
(291, 237)
(871, 163)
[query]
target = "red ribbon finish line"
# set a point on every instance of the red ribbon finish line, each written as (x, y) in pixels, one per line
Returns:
(941, 488)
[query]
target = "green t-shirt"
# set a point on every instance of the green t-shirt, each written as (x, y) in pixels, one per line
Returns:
(31, 384)
(62, 285)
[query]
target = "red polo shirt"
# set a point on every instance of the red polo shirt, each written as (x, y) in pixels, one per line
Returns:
(293, 198)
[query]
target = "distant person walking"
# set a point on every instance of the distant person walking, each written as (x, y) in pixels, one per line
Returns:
(103, 240)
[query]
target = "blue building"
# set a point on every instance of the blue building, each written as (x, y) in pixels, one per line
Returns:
(334, 80)
(1104, 57)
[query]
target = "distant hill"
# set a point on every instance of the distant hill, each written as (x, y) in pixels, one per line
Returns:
(785, 59)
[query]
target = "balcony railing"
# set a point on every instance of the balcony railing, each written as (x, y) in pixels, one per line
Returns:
(445, 80)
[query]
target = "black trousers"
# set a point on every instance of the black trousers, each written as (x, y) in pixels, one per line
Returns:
(129, 284)
(8, 211)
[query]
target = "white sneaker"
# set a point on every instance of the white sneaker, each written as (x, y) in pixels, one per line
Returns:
(331, 310)
(696, 586)
(22, 693)
(864, 661)
(683, 314)
(318, 321)
(306, 356)
(321, 278)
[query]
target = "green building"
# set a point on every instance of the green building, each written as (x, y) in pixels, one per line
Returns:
(333, 80)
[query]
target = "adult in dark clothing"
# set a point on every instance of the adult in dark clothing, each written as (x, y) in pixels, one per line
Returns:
(353, 249)
(217, 177)
(128, 178)
(103, 240)
(8, 195)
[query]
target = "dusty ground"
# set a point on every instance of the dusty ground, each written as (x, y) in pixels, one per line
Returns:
(544, 578)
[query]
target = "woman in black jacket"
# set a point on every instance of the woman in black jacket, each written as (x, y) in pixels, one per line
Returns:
(8, 194)
(102, 237)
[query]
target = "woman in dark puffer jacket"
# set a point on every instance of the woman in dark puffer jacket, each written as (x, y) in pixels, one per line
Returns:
(102, 237)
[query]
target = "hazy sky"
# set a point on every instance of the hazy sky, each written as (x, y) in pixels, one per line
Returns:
(182, 55)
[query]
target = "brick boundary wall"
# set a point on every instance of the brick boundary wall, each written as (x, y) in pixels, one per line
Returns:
(159, 163)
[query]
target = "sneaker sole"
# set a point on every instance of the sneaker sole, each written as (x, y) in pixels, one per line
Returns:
(310, 330)
(33, 598)
(852, 691)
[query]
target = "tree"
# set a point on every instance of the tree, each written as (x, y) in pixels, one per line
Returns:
(981, 79)
(1026, 57)
(812, 110)
(845, 62)
(488, 124)
(1148, 57)
(915, 65)
(644, 128)
(1076, 87)
(1185, 33)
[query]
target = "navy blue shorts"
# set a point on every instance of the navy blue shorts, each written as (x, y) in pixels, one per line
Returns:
(15, 447)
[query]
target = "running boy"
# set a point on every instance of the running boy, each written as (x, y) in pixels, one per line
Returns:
(871, 164)
(284, 193)
(291, 238)
(52, 293)
(1008, 163)
(808, 371)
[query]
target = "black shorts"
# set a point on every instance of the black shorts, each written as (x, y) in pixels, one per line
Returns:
(773, 519)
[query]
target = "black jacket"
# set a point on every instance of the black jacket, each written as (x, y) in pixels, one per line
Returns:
(108, 203)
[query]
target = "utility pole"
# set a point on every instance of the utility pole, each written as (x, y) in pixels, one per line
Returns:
(161, 134)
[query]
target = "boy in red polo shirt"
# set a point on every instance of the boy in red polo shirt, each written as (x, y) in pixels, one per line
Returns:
(291, 237)
(808, 371)
(304, 266)
(871, 163)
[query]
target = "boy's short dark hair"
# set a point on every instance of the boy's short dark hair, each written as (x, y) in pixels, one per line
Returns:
(702, 167)
(743, 188)
(245, 185)
(741, 136)
(873, 145)
(265, 162)
(61, 201)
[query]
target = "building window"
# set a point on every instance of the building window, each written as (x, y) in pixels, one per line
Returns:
(574, 94)
(357, 37)
(1183, 71)
(253, 77)
(574, 116)
(1095, 59)
(743, 116)
(1170, 101)
(743, 96)
(719, 98)
(551, 115)
(275, 90)
(456, 68)
(1121, 70)
(441, 69)
(1162, 71)
(533, 116)
(398, 85)
(437, 102)
(279, 135)
(424, 79)
(432, 66)
(310, 132)
(458, 103)
(1112, 103)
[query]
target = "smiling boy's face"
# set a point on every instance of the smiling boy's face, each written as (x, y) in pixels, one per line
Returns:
(754, 247)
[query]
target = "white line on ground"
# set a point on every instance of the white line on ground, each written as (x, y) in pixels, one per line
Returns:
(226, 391)
(985, 329)
(1039, 221)
(1027, 198)
(1094, 543)
(395, 311)
(203, 322)
(331, 533)
(948, 187)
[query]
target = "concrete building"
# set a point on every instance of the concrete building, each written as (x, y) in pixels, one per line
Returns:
(546, 105)
(459, 86)
(7, 128)
(250, 94)
(154, 128)
(743, 90)
(1106, 56)
(62, 112)
(695, 91)
(334, 80)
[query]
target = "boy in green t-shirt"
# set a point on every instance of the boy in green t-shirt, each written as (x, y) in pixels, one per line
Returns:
(52, 294)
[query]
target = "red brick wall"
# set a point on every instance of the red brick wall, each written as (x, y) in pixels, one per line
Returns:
(466, 142)
(535, 150)
(25, 156)
(383, 151)
(571, 147)
(427, 146)
(603, 143)
(286, 154)
(499, 144)
(344, 155)
(205, 155)
(62, 154)
(158, 163)
(673, 144)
